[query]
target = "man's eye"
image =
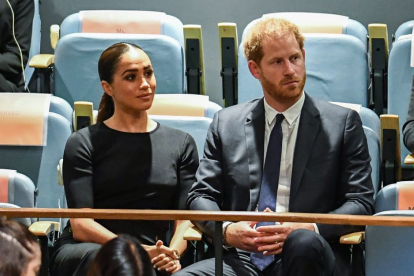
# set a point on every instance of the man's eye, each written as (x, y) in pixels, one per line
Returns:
(149, 73)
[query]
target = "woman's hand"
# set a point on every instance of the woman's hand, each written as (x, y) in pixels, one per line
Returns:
(163, 258)
(166, 263)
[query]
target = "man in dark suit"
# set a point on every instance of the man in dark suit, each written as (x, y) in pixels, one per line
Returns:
(324, 167)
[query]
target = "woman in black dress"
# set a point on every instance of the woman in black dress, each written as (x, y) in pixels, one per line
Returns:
(125, 161)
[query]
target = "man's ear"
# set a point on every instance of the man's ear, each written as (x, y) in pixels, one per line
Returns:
(254, 69)
(303, 53)
(106, 87)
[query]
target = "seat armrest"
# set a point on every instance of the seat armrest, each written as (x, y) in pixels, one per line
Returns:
(391, 148)
(353, 238)
(41, 61)
(54, 35)
(60, 172)
(193, 234)
(409, 159)
(194, 58)
(43, 228)
(229, 49)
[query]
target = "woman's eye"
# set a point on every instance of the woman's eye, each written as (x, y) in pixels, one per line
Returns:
(148, 73)
(130, 77)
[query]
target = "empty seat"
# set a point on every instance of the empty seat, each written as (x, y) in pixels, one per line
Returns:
(37, 160)
(389, 249)
(16, 191)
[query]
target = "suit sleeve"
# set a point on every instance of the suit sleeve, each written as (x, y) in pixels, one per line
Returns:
(207, 191)
(355, 190)
(10, 56)
(408, 128)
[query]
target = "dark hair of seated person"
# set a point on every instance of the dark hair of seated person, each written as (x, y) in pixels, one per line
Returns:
(19, 252)
(107, 65)
(122, 256)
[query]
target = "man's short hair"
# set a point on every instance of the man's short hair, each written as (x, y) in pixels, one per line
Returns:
(268, 28)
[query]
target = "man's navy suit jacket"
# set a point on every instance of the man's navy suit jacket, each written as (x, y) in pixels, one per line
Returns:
(331, 165)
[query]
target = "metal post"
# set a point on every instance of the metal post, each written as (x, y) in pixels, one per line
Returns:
(218, 247)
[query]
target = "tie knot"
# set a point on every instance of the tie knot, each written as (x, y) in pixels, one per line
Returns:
(279, 118)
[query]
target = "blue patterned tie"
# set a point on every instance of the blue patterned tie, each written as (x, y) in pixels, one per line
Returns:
(270, 182)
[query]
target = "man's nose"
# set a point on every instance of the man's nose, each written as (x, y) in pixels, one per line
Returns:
(289, 68)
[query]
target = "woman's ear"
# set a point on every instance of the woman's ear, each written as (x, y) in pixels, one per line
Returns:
(106, 87)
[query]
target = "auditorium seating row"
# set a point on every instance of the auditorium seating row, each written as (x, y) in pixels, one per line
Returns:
(338, 70)
(361, 74)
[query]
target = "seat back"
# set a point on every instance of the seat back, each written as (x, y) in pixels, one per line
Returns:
(400, 75)
(388, 249)
(183, 105)
(39, 162)
(16, 190)
(78, 51)
(197, 127)
(35, 41)
(61, 107)
(342, 47)
(397, 196)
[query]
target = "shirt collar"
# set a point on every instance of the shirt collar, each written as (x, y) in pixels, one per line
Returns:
(291, 114)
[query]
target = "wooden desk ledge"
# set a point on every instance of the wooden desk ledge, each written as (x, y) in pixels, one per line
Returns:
(121, 214)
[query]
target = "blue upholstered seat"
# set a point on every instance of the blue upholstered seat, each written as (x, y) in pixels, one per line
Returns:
(39, 162)
(77, 55)
(21, 194)
(336, 64)
(400, 75)
(389, 249)
(197, 127)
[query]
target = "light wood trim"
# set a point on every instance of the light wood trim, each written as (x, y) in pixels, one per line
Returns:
(227, 29)
(54, 35)
(194, 32)
(43, 228)
(378, 30)
(121, 214)
(353, 238)
(409, 159)
(390, 121)
(193, 234)
(82, 108)
(41, 61)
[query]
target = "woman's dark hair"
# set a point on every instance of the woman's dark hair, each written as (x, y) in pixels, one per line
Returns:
(122, 256)
(17, 247)
(107, 65)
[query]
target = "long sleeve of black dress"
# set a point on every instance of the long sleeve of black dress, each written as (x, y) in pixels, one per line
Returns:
(107, 169)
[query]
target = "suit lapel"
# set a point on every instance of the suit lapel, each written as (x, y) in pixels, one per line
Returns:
(308, 129)
(254, 132)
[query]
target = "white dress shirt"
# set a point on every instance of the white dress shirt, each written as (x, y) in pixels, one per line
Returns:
(290, 127)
